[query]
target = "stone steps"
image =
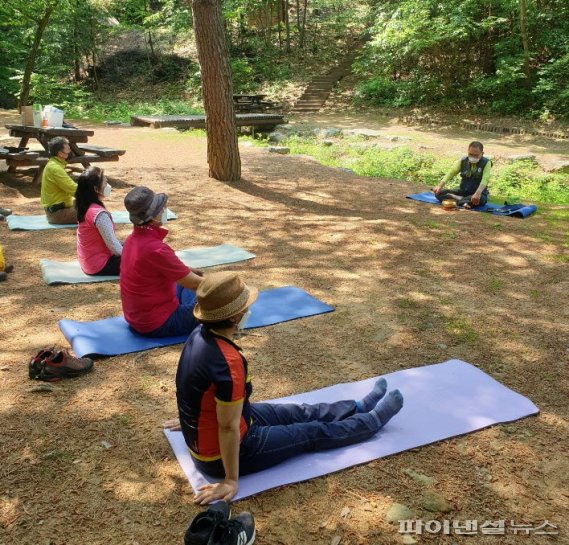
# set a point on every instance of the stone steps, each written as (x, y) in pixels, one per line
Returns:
(319, 88)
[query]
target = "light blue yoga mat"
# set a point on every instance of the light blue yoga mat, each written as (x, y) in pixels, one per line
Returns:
(58, 272)
(441, 401)
(112, 336)
(39, 223)
(497, 209)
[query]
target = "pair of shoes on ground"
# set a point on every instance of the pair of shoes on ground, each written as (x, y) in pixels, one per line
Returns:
(4, 274)
(4, 212)
(214, 527)
(51, 366)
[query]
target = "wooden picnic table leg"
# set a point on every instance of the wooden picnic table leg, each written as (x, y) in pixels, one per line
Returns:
(38, 175)
(23, 143)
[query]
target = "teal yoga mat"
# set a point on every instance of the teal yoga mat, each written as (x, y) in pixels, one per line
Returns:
(39, 223)
(58, 272)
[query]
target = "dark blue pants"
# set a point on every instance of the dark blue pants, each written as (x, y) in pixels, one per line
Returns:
(279, 432)
(465, 196)
(182, 320)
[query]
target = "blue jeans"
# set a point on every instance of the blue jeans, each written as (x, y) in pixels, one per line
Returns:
(279, 432)
(182, 320)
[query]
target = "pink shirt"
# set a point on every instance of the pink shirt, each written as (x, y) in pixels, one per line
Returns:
(92, 252)
(149, 272)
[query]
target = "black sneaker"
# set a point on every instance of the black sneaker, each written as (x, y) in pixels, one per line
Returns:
(237, 531)
(201, 528)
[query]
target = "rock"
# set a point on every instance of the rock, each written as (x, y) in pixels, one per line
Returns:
(396, 138)
(277, 137)
(345, 512)
(561, 168)
(442, 346)
(522, 157)
(285, 128)
(435, 502)
(366, 133)
(398, 512)
(5, 368)
(106, 444)
(281, 150)
(336, 540)
(348, 170)
(419, 477)
(39, 388)
(408, 540)
(111, 122)
(330, 132)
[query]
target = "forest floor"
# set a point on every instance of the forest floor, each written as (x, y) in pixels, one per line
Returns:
(411, 284)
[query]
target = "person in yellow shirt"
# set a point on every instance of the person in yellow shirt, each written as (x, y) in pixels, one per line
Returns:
(57, 187)
(475, 171)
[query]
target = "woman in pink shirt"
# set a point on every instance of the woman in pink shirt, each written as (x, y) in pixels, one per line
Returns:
(98, 249)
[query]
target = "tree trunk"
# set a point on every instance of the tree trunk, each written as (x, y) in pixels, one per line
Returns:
(287, 24)
(217, 90)
(303, 27)
(32, 56)
(525, 42)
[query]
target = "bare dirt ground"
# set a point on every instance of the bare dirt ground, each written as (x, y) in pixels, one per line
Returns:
(412, 285)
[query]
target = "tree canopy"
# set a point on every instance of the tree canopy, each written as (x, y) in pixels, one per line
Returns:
(502, 56)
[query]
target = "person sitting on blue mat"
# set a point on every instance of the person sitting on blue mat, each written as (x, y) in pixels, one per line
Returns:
(157, 289)
(98, 249)
(228, 435)
(475, 171)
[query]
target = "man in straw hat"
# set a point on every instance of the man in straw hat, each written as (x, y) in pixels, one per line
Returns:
(157, 289)
(227, 435)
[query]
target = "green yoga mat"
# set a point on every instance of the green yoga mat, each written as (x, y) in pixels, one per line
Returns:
(39, 223)
(58, 272)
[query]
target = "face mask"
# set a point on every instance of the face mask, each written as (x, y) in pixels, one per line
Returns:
(164, 217)
(473, 160)
(107, 190)
(243, 322)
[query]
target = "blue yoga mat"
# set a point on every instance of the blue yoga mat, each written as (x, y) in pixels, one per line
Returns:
(518, 211)
(112, 336)
(39, 223)
(59, 272)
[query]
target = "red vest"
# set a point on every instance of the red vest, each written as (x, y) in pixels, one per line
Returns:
(92, 251)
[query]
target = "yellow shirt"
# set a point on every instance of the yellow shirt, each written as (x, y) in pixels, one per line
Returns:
(56, 185)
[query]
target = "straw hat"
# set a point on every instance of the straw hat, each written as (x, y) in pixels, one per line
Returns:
(222, 295)
(143, 204)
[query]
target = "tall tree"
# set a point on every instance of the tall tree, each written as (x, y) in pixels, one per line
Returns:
(217, 91)
(38, 14)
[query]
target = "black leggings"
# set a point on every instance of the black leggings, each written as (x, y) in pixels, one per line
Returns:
(111, 268)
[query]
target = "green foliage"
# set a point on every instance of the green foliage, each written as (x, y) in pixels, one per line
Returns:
(123, 110)
(469, 53)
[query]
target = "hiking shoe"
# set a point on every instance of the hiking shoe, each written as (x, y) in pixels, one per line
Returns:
(237, 531)
(58, 365)
(37, 363)
(5, 211)
(200, 529)
(3, 276)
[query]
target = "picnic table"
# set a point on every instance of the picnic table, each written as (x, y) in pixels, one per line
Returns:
(250, 103)
(81, 151)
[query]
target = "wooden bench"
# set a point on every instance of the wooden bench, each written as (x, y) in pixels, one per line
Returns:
(101, 151)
